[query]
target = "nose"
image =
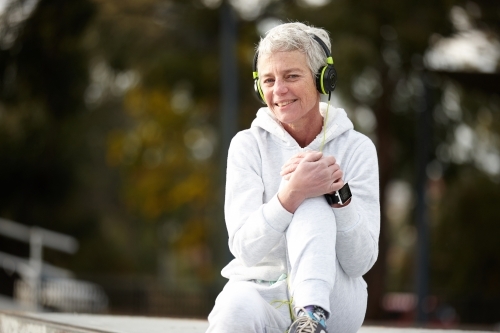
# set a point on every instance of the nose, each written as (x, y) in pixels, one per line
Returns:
(280, 87)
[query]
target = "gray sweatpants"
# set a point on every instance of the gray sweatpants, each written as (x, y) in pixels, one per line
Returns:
(315, 278)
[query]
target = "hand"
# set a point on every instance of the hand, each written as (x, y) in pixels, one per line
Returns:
(313, 174)
(309, 174)
(289, 167)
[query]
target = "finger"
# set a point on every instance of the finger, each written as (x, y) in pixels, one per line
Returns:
(335, 186)
(300, 155)
(330, 160)
(332, 169)
(288, 169)
(337, 175)
(291, 161)
(312, 156)
(295, 159)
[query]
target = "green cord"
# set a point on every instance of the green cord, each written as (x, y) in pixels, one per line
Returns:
(325, 123)
(289, 303)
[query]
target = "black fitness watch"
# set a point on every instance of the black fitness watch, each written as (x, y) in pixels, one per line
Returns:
(339, 197)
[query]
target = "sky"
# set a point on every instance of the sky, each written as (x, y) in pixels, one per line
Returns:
(3, 3)
(469, 49)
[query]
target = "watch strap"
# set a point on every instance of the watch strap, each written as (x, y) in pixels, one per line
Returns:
(339, 197)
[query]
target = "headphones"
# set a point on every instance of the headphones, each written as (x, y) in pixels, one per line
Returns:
(326, 78)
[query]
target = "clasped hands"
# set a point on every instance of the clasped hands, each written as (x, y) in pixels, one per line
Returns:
(309, 174)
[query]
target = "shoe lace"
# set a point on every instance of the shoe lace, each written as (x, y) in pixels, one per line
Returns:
(304, 323)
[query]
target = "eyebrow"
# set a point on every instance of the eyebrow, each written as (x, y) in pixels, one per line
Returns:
(286, 71)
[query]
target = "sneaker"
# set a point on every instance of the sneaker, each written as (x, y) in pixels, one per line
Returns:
(309, 322)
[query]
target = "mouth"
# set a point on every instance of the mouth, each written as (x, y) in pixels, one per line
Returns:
(284, 103)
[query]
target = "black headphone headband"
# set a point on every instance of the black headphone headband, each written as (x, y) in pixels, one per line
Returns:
(326, 78)
(323, 45)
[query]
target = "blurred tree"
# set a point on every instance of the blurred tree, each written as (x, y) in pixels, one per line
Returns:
(43, 71)
(463, 202)
(166, 144)
(466, 247)
(165, 183)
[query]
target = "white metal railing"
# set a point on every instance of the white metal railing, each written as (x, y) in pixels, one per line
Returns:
(45, 284)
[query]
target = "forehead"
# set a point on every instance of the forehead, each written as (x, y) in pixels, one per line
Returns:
(282, 61)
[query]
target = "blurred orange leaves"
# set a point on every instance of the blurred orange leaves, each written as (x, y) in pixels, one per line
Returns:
(160, 175)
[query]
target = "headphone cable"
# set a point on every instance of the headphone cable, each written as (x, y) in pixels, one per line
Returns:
(325, 122)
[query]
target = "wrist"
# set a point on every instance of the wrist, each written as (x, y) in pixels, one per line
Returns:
(339, 198)
(290, 198)
(343, 205)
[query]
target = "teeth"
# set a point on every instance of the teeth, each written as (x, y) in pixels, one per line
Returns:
(284, 103)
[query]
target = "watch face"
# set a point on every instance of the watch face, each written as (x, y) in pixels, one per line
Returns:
(345, 193)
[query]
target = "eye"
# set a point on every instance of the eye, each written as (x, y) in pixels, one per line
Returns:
(268, 81)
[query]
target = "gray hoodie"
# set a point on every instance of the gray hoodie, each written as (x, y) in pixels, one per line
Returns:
(256, 221)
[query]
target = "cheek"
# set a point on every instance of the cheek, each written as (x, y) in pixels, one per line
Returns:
(269, 97)
(265, 90)
(311, 95)
(309, 89)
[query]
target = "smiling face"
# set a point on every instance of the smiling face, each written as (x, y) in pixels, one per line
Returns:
(289, 89)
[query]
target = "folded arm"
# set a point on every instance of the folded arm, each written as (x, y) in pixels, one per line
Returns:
(254, 227)
(358, 224)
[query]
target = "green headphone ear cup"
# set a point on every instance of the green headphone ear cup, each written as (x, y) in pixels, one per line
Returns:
(326, 79)
(256, 84)
(258, 91)
(319, 80)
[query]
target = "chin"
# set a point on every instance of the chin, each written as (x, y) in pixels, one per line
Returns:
(283, 118)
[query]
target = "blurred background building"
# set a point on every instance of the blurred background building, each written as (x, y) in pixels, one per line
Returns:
(115, 117)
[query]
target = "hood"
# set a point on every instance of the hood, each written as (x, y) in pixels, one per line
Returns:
(337, 123)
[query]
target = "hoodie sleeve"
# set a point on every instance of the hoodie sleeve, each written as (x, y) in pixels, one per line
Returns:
(254, 227)
(358, 224)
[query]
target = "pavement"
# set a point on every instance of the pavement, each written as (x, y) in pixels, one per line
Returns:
(9, 304)
(29, 322)
(23, 322)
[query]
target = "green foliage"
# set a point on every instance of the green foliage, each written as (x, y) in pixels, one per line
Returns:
(162, 177)
(465, 246)
(44, 77)
(164, 146)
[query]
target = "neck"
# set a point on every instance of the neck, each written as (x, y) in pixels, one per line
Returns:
(306, 130)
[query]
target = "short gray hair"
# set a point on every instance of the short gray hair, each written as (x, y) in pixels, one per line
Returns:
(296, 36)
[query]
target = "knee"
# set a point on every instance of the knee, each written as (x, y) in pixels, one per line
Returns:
(238, 298)
(237, 305)
(314, 213)
(348, 308)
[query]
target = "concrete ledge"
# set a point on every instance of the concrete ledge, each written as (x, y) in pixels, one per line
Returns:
(11, 322)
(376, 329)
(25, 322)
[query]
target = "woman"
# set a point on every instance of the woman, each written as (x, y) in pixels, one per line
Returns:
(299, 258)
